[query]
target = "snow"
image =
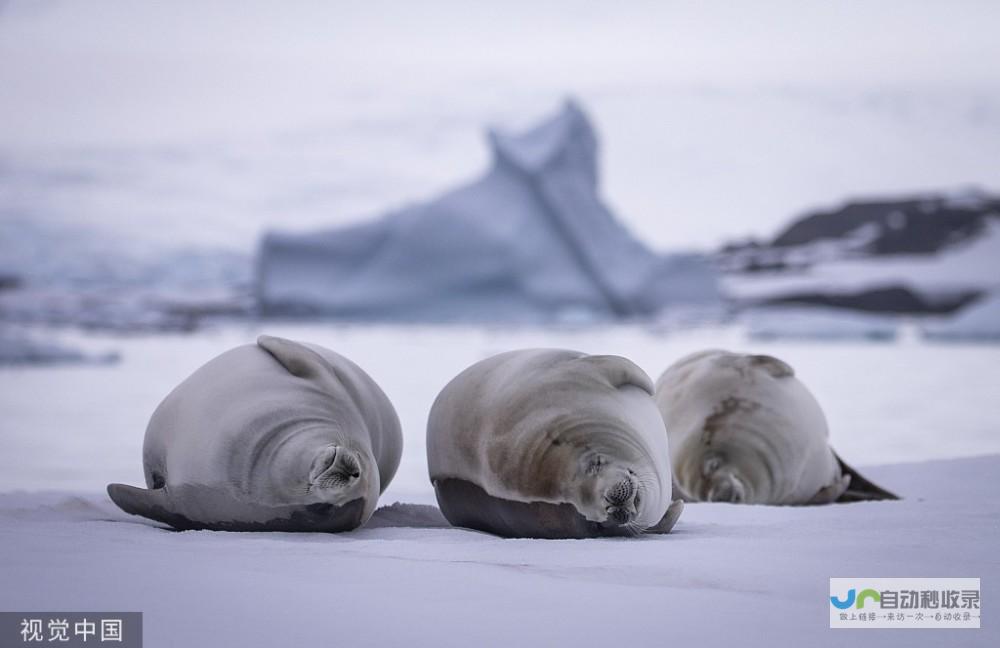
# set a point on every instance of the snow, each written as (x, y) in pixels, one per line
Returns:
(531, 240)
(728, 574)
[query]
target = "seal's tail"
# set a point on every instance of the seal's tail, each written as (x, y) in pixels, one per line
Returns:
(860, 489)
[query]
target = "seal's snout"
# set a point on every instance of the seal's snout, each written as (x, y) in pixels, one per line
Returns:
(726, 487)
(622, 492)
(622, 500)
(334, 467)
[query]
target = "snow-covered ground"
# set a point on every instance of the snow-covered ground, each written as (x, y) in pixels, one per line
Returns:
(728, 575)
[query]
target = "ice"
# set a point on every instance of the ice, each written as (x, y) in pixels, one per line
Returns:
(531, 240)
(18, 347)
(86, 276)
(818, 323)
(978, 322)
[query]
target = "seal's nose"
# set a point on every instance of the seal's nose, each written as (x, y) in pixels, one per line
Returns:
(621, 501)
(335, 467)
(621, 493)
(347, 466)
(726, 488)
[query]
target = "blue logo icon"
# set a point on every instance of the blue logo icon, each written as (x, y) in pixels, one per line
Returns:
(855, 599)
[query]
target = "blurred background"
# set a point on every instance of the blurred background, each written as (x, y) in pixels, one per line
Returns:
(421, 185)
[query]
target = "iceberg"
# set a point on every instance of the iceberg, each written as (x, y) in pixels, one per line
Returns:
(530, 240)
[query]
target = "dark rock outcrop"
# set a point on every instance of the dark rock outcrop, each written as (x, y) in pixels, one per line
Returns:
(908, 226)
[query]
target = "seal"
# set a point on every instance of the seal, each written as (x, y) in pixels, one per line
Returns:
(547, 443)
(276, 436)
(743, 428)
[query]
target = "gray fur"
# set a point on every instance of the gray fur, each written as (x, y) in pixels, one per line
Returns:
(743, 428)
(550, 443)
(278, 435)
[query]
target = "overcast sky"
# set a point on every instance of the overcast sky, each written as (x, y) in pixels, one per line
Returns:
(133, 75)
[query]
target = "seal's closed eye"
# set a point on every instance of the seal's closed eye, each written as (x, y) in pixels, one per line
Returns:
(595, 463)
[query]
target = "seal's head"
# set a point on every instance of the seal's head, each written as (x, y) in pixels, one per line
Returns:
(616, 488)
(591, 438)
(713, 478)
(574, 481)
(737, 456)
(597, 464)
(327, 481)
(748, 429)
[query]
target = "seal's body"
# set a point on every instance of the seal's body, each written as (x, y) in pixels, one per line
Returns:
(551, 444)
(743, 428)
(273, 436)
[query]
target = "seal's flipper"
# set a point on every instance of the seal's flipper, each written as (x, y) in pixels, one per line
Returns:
(297, 358)
(302, 361)
(680, 493)
(777, 368)
(150, 503)
(860, 489)
(621, 371)
(669, 519)
(156, 504)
